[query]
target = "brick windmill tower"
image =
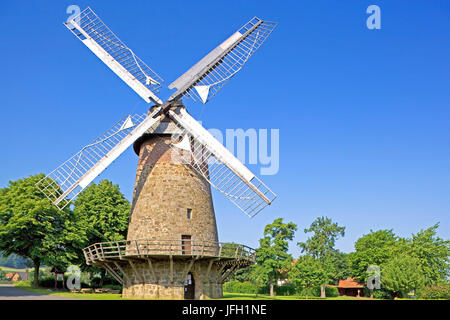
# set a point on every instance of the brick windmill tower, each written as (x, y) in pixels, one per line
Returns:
(172, 249)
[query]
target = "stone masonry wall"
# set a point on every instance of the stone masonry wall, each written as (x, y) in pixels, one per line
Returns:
(165, 188)
(141, 284)
(163, 192)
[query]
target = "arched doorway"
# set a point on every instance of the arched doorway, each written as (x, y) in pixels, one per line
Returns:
(189, 287)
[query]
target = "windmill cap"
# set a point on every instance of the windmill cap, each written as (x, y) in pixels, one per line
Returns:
(165, 127)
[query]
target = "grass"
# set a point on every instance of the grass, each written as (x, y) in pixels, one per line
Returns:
(112, 296)
(60, 293)
(245, 296)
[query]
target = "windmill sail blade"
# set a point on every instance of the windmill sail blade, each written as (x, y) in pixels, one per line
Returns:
(91, 30)
(69, 179)
(221, 169)
(210, 74)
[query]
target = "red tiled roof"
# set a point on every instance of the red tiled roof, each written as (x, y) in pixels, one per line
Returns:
(349, 283)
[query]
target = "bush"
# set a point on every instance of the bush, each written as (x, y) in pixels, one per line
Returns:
(315, 292)
(240, 287)
(49, 282)
(331, 291)
(379, 294)
(382, 294)
(439, 291)
(286, 289)
(108, 280)
(291, 289)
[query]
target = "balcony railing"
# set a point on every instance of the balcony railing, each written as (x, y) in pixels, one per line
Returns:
(105, 251)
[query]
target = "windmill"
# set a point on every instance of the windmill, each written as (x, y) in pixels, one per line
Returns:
(172, 248)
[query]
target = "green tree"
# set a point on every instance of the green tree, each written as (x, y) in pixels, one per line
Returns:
(105, 212)
(307, 273)
(272, 255)
(32, 227)
(432, 253)
(321, 246)
(375, 248)
(402, 274)
(243, 275)
(338, 266)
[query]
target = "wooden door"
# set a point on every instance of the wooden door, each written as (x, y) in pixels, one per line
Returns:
(185, 244)
(189, 287)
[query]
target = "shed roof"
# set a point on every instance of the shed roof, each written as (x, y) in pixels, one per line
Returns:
(349, 283)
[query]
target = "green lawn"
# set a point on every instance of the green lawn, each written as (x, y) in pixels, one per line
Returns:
(89, 296)
(244, 296)
(113, 296)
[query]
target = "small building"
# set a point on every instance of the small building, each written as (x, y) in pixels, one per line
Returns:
(15, 276)
(350, 287)
(23, 275)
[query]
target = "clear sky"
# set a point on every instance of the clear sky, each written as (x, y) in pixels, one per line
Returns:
(363, 114)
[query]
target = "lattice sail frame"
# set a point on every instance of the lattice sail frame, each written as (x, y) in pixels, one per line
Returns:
(91, 30)
(219, 167)
(210, 74)
(207, 156)
(65, 182)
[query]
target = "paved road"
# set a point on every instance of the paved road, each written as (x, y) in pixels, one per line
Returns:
(9, 292)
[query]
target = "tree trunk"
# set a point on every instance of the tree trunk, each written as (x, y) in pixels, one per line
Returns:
(271, 287)
(37, 264)
(371, 294)
(322, 292)
(102, 277)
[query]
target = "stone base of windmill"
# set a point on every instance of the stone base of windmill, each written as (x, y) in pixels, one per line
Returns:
(159, 282)
(147, 271)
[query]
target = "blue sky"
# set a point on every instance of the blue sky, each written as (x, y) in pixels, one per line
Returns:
(363, 114)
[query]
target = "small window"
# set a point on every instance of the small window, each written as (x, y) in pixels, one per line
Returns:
(189, 213)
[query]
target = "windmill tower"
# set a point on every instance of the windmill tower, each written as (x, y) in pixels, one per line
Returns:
(172, 248)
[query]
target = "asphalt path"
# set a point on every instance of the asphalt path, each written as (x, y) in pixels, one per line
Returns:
(9, 292)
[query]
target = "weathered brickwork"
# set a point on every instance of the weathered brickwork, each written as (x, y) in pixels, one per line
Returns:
(141, 283)
(165, 188)
(164, 191)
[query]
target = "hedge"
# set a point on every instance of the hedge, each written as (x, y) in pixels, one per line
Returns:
(287, 289)
(49, 282)
(439, 291)
(241, 287)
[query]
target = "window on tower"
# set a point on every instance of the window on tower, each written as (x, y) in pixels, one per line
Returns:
(189, 213)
